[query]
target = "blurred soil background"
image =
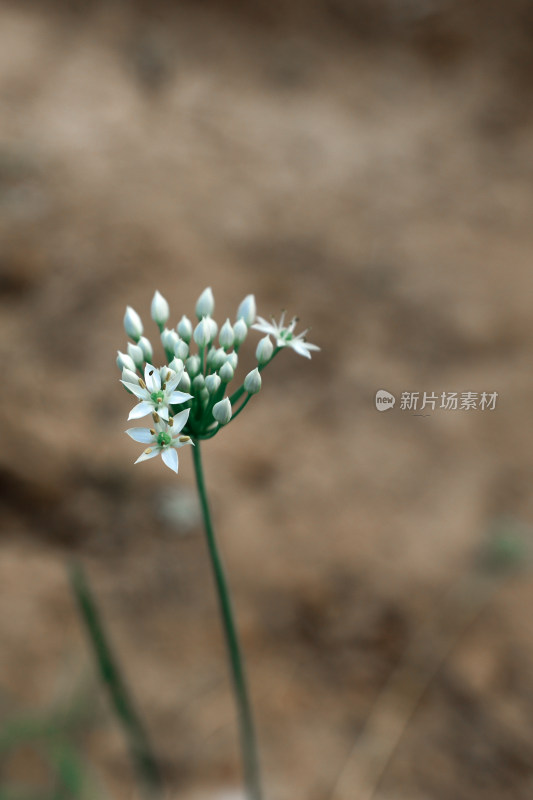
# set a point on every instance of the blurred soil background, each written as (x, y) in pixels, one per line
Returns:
(368, 165)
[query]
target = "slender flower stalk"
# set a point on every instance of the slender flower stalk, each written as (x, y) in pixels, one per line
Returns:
(139, 744)
(246, 725)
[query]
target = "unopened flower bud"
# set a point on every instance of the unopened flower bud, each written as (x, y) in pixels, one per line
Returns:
(181, 349)
(226, 373)
(169, 339)
(185, 383)
(264, 351)
(222, 411)
(213, 328)
(136, 354)
(215, 358)
(160, 310)
(129, 376)
(240, 332)
(252, 382)
(192, 366)
(133, 324)
(210, 358)
(226, 336)
(233, 359)
(202, 333)
(198, 384)
(212, 382)
(146, 346)
(185, 328)
(125, 361)
(205, 305)
(176, 364)
(247, 310)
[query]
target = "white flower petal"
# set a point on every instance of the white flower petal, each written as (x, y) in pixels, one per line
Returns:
(265, 327)
(142, 394)
(162, 411)
(145, 456)
(141, 410)
(152, 378)
(142, 435)
(179, 397)
(170, 457)
(177, 444)
(174, 380)
(180, 420)
(300, 348)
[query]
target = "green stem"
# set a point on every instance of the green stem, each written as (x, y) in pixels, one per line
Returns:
(246, 726)
(243, 404)
(139, 744)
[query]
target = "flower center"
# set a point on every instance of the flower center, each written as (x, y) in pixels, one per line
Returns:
(286, 335)
(157, 397)
(163, 439)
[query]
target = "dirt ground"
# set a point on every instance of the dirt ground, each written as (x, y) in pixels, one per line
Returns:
(367, 166)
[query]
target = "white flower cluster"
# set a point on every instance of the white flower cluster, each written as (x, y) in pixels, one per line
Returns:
(187, 397)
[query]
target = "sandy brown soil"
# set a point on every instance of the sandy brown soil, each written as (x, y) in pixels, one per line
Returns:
(368, 167)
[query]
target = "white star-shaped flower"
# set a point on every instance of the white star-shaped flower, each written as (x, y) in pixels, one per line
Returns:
(164, 439)
(284, 335)
(156, 392)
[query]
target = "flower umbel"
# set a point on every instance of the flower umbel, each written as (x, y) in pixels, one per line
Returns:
(156, 392)
(199, 376)
(164, 439)
(285, 336)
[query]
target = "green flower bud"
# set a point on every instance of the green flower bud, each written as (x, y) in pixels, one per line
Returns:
(222, 411)
(240, 331)
(181, 349)
(215, 358)
(160, 310)
(169, 339)
(136, 354)
(192, 365)
(125, 361)
(213, 328)
(252, 382)
(226, 336)
(205, 304)
(185, 383)
(247, 310)
(129, 376)
(202, 333)
(133, 324)
(212, 382)
(146, 346)
(264, 351)
(233, 359)
(198, 384)
(226, 373)
(185, 329)
(176, 364)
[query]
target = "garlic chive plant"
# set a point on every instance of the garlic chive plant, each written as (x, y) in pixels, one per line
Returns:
(189, 401)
